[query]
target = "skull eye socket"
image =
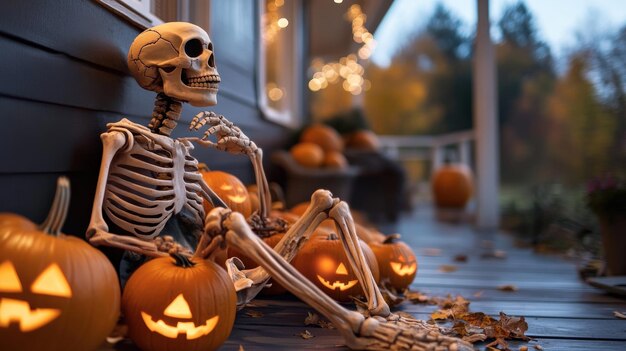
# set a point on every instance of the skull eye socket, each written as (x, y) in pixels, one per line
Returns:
(168, 69)
(193, 48)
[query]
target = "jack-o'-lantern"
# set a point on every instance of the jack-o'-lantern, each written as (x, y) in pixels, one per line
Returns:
(56, 291)
(324, 262)
(179, 303)
(229, 188)
(396, 262)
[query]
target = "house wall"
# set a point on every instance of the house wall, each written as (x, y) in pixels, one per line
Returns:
(63, 77)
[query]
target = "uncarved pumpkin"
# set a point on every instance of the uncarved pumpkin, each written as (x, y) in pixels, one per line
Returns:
(396, 262)
(179, 303)
(307, 154)
(335, 159)
(363, 140)
(324, 262)
(56, 291)
(230, 189)
(452, 185)
(324, 136)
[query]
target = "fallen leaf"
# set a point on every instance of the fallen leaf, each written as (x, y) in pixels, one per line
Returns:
(429, 251)
(312, 319)
(499, 254)
(478, 294)
(306, 335)
(508, 287)
(538, 347)
(620, 315)
(241, 347)
(326, 324)
(460, 258)
(448, 268)
(416, 296)
(254, 314)
(391, 298)
(441, 314)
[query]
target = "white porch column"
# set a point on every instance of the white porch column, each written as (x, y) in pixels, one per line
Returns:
(485, 124)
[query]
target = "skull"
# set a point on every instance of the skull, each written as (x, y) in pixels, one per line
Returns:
(176, 59)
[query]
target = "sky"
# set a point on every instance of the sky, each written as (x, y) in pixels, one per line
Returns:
(556, 20)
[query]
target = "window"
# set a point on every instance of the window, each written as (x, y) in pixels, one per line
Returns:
(280, 58)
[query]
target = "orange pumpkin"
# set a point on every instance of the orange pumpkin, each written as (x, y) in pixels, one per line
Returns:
(307, 154)
(363, 140)
(57, 292)
(396, 262)
(324, 136)
(452, 185)
(230, 189)
(324, 262)
(335, 159)
(179, 303)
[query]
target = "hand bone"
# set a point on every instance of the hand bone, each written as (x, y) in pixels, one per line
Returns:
(229, 137)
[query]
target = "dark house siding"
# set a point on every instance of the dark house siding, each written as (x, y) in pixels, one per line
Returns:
(64, 77)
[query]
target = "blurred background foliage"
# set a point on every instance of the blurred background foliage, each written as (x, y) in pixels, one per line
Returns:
(562, 119)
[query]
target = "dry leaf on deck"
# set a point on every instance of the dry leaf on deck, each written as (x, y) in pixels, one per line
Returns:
(241, 348)
(508, 287)
(478, 294)
(312, 319)
(326, 324)
(620, 315)
(460, 258)
(416, 297)
(306, 335)
(254, 314)
(448, 268)
(441, 314)
(538, 347)
(499, 344)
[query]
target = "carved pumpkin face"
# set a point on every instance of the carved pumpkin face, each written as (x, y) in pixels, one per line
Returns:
(50, 282)
(48, 286)
(179, 309)
(396, 261)
(179, 304)
(56, 291)
(324, 262)
(230, 189)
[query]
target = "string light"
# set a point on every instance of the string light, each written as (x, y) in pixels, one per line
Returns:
(347, 70)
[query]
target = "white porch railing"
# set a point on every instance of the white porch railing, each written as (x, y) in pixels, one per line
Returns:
(428, 147)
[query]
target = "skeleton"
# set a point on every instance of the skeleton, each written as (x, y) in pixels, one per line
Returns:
(147, 178)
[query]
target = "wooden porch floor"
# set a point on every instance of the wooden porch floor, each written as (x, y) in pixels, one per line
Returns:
(562, 312)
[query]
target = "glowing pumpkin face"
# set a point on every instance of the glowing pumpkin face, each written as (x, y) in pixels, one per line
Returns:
(179, 304)
(230, 189)
(51, 282)
(324, 262)
(179, 308)
(396, 261)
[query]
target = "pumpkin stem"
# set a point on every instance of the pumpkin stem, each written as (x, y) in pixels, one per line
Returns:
(58, 212)
(332, 236)
(392, 238)
(203, 167)
(182, 260)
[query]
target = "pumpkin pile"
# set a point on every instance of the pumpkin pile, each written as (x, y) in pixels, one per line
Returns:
(320, 146)
(57, 292)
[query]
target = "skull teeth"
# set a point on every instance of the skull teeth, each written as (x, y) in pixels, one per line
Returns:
(211, 78)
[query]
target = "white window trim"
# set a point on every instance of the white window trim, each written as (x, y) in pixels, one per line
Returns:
(291, 117)
(137, 12)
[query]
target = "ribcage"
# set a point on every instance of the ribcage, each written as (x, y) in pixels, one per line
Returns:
(148, 184)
